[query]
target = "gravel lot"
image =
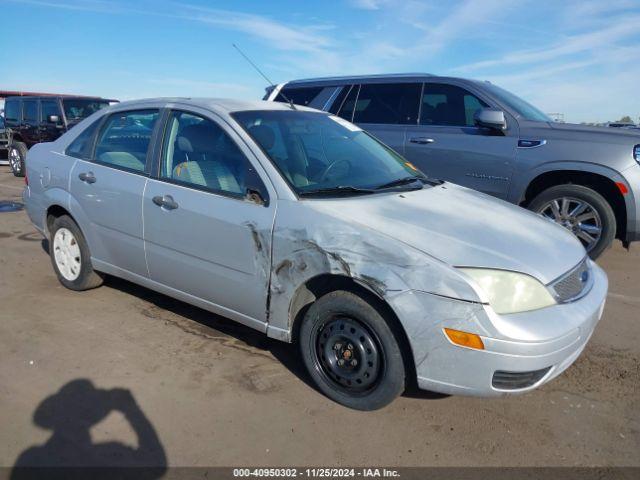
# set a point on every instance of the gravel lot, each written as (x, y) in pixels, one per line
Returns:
(210, 392)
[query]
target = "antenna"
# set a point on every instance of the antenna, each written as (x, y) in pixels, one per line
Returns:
(293, 107)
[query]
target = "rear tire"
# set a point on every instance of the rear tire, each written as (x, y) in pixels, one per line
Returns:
(351, 352)
(70, 256)
(587, 214)
(17, 154)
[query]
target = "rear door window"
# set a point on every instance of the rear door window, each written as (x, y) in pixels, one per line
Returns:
(12, 111)
(30, 111)
(448, 105)
(388, 103)
(82, 146)
(124, 140)
(346, 109)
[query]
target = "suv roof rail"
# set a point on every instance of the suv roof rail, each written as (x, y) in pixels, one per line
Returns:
(362, 77)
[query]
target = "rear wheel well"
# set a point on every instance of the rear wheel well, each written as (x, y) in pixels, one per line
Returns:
(53, 212)
(318, 286)
(601, 184)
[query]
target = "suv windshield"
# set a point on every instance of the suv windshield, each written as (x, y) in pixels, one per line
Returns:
(323, 154)
(519, 106)
(79, 108)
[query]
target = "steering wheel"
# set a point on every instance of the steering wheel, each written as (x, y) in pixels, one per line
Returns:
(325, 172)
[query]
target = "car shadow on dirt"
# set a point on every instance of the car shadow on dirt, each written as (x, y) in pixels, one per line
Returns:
(216, 325)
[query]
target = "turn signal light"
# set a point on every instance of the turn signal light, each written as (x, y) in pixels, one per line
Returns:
(464, 339)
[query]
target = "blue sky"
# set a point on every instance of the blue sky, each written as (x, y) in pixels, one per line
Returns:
(578, 57)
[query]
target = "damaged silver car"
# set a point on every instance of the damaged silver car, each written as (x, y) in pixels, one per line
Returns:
(299, 224)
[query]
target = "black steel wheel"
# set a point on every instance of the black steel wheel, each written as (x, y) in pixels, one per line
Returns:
(352, 352)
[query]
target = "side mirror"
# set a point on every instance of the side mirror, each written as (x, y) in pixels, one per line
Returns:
(55, 119)
(490, 118)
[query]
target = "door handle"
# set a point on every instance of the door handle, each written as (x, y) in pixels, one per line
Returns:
(165, 202)
(422, 140)
(87, 177)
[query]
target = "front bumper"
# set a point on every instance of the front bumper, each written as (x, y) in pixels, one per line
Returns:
(546, 341)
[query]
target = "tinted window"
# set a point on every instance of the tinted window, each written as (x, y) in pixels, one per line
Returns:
(318, 151)
(48, 107)
(12, 110)
(298, 95)
(125, 139)
(346, 109)
(82, 146)
(30, 110)
(337, 102)
(388, 103)
(197, 152)
(448, 105)
(80, 108)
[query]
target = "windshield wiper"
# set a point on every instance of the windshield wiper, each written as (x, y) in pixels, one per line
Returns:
(339, 189)
(401, 181)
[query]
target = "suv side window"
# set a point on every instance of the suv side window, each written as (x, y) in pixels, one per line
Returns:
(30, 111)
(388, 103)
(346, 109)
(298, 95)
(124, 139)
(198, 153)
(82, 146)
(49, 107)
(448, 105)
(12, 111)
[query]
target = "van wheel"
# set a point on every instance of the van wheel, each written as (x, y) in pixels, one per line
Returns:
(351, 352)
(582, 211)
(17, 155)
(70, 256)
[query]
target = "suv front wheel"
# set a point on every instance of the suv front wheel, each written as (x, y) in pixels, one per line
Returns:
(17, 154)
(582, 211)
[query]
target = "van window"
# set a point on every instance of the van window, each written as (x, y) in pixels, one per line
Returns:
(30, 111)
(12, 111)
(82, 146)
(448, 105)
(298, 95)
(125, 138)
(388, 103)
(49, 107)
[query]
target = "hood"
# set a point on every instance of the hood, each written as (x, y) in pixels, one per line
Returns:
(605, 134)
(462, 227)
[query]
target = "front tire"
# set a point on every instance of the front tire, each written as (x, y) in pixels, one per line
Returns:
(351, 352)
(70, 256)
(17, 156)
(581, 210)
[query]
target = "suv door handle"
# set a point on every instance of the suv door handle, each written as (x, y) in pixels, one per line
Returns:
(87, 177)
(422, 140)
(165, 202)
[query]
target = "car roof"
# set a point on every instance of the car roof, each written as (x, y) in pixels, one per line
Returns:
(222, 105)
(375, 78)
(64, 97)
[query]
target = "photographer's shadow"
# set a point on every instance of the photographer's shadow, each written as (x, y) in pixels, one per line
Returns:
(70, 413)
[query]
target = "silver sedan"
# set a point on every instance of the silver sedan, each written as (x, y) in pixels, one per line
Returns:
(301, 225)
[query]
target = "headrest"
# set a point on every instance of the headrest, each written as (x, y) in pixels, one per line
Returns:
(263, 135)
(198, 138)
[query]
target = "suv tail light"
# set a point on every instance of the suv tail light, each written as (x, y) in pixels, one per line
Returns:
(636, 153)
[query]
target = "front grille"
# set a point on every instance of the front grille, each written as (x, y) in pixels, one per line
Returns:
(515, 380)
(573, 284)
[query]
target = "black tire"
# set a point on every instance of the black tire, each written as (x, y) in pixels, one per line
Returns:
(17, 154)
(377, 378)
(604, 214)
(87, 277)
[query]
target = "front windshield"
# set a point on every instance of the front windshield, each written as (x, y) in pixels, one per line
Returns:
(519, 106)
(79, 108)
(316, 152)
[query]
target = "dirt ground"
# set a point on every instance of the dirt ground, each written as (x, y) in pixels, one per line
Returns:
(144, 375)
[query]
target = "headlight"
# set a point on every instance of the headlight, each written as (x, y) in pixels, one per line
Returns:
(510, 292)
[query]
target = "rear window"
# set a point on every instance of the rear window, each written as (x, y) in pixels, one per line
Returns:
(388, 103)
(80, 108)
(298, 95)
(12, 110)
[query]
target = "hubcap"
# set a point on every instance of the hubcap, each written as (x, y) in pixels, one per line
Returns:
(577, 216)
(14, 159)
(348, 355)
(66, 252)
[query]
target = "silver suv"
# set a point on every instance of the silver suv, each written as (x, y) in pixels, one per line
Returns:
(477, 134)
(303, 226)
